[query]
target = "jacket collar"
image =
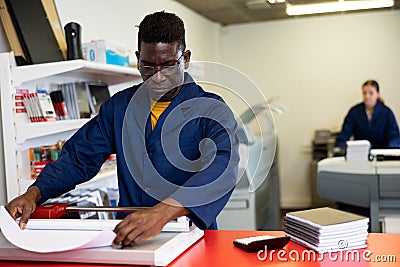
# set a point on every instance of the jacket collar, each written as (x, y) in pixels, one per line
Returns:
(189, 90)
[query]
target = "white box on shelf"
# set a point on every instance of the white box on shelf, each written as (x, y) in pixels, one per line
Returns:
(89, 51)
(107, 52)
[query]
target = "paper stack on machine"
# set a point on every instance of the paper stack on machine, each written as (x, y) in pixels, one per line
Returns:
(358, 150)
(326, 229)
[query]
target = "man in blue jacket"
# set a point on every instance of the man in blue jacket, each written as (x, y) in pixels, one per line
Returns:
(176, 145)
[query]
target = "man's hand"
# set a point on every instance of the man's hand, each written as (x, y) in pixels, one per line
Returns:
(145, 224)
(24, 205)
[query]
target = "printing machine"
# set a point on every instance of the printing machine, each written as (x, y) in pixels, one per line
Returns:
(255, 203)
(369, 184)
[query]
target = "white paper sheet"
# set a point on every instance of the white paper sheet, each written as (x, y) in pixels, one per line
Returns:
(52, 240)
(78, 224)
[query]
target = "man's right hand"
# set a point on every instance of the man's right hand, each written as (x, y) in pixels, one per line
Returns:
(24, 205)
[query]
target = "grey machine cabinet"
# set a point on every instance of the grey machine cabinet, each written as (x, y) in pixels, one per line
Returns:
(374, 185)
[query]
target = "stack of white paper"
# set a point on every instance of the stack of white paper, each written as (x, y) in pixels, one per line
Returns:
(326, 229)
(357, 150)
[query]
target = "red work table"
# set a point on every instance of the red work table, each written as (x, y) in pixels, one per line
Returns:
(216, 250)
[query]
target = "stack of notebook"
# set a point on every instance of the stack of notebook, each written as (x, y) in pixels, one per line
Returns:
(357, 150)
(326, 229)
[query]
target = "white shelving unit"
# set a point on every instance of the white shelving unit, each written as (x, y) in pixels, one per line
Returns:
(20, 135)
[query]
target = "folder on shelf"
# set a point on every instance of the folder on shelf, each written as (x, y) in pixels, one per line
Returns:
(98, 93)
(82, 98)
(69, 99)
(34, 31)
(55, 24)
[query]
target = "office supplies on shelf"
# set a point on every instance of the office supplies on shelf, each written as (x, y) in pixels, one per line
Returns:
(83, 99)
(261, 242)
(59, 105)
(327, 229)
(39, 107)
(19, 108)
(40, 156)
(106, 52)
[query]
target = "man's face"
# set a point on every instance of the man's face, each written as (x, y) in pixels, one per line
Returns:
(162, 67)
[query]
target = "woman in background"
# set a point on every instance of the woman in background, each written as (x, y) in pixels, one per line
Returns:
(370, 120)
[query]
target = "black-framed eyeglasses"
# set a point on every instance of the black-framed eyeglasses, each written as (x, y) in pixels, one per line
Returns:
(166, 70)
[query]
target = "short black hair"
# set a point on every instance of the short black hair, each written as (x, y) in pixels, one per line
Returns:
(162, 27)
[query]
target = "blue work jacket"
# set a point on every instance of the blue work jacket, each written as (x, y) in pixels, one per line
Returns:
(148, 161)
(381, 130)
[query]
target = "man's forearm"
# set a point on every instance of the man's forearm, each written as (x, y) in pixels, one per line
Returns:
(34, 193)
(172, 209)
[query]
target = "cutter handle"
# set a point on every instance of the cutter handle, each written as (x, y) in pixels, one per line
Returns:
(50, 211)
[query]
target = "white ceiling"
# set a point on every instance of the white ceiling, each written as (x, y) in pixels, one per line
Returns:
(236, 11)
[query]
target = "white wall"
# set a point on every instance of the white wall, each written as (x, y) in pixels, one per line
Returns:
(315, 66)
(115, 21)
